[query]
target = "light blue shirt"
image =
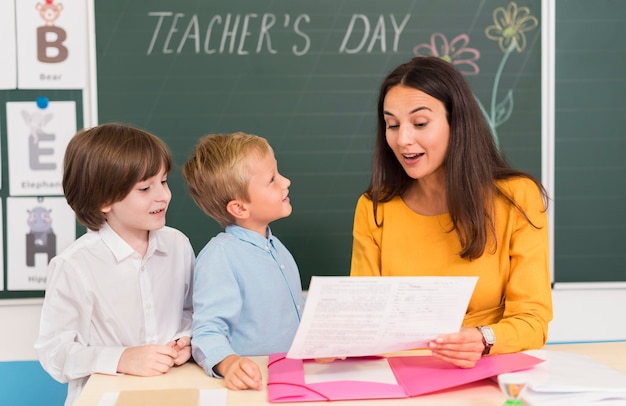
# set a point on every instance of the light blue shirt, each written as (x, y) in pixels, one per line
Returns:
(247, 297)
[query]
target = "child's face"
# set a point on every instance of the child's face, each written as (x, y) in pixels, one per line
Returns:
(267, 191)
(142, 210)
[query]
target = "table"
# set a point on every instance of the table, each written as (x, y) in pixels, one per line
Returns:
(482, 393)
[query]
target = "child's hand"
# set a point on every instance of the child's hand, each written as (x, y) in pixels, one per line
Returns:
(183, 347)
(147, 360)
(239, 373)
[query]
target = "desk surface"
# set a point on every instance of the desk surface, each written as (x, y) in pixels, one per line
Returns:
(482, 393)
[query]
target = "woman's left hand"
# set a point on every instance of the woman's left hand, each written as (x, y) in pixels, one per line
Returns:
(462, 349)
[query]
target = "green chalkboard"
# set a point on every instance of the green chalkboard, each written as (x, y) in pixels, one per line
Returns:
(590, 121)
(305, 75)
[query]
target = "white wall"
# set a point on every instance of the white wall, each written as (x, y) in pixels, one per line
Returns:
(20, 324)
(588, 315)
(579, 315)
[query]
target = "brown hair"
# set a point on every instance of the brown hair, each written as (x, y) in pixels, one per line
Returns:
(473, 162)
(217, 172)
(103, 163)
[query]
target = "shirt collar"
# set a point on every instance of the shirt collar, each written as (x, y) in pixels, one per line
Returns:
(122, 250)
(250, 236)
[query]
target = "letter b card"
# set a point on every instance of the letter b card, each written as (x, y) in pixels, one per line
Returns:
(51, 43)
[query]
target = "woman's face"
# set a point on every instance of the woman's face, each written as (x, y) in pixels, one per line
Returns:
(417, 130)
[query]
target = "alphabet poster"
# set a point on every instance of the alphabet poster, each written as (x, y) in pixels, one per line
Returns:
(8, 67)
(36, 139)
(52, 43)
(38, 230)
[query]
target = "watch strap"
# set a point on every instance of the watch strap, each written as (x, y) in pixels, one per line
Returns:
(489, 338)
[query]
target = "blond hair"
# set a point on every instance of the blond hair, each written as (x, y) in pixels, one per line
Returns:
(218, 171)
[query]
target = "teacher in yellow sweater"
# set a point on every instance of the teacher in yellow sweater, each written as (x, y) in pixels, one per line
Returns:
(443, 201)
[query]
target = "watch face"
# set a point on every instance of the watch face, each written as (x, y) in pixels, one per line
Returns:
(488, 334)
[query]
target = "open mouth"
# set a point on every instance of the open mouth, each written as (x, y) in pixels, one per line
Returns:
(157, 211)
(412, 157)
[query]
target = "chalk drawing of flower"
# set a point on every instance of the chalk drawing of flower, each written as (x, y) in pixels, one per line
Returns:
(510, 26)
(455, 52)
(509, 29)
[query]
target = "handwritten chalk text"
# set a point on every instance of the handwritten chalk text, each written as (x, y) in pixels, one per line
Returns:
(229, 34)
(245, 34)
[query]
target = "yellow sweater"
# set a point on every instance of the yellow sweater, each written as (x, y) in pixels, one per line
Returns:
(513, 293)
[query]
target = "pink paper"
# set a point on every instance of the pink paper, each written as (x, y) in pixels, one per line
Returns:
(426, 374)
(416, 375)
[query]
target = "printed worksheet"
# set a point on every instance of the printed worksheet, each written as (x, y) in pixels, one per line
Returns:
(361, 316)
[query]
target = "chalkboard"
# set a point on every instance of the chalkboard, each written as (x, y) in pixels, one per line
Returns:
(590, 121)
(305, 75)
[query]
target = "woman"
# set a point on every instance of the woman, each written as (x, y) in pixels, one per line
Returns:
(443, 201)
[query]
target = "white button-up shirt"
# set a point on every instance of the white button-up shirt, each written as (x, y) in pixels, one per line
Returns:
(103, 297)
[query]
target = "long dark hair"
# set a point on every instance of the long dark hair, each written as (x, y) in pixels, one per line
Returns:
(473, 162)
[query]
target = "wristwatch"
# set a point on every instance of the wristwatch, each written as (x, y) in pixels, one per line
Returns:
(489, 338)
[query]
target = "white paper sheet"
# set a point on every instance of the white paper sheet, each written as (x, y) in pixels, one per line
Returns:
(363, 370)
(571, 379)
(360, 316)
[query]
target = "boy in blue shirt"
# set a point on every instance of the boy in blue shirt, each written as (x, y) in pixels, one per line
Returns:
(247, 291)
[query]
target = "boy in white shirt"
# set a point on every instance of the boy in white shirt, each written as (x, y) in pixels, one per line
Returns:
(119, 299)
